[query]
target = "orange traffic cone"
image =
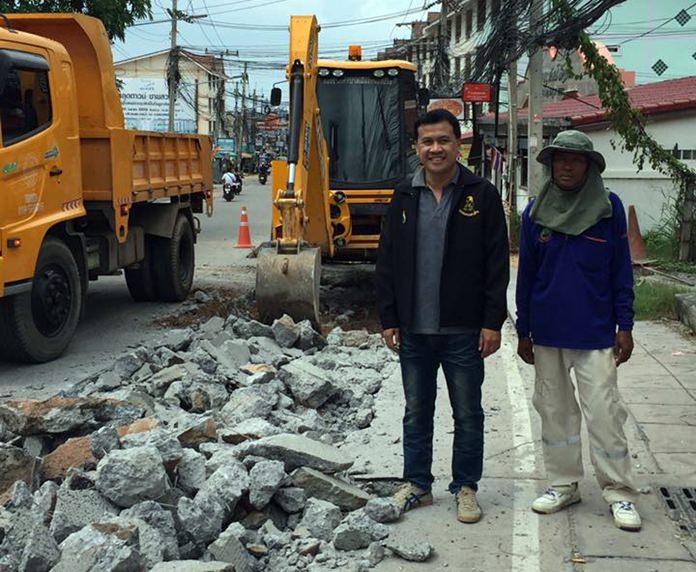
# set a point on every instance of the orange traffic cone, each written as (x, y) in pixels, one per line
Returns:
(244, 238)
(635, 240)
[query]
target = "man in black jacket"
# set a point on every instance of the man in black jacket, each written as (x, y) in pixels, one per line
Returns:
(442, 274)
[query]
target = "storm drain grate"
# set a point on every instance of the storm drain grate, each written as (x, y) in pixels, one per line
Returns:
(681, 507)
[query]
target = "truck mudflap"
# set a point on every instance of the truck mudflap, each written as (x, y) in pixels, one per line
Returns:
(288, 283)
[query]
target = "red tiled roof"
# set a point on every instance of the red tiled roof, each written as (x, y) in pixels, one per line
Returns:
(649, 98)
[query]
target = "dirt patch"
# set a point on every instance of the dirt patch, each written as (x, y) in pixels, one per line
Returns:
(208, 303)
(347, 297)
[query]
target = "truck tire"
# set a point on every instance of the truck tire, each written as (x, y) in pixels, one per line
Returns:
(140, 280)
(37, 326)
(173, 262)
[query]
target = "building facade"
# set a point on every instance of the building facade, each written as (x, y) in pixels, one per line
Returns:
(200, 105)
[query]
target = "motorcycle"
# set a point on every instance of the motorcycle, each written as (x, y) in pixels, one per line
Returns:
(237, 186)
(263, 174)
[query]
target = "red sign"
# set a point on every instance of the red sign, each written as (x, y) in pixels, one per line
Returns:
(477, 92)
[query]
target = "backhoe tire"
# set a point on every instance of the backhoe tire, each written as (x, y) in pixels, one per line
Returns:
(37, 326)
(140, 280)
(174, 261)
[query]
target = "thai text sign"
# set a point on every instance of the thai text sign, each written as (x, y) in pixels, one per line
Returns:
(477, 92)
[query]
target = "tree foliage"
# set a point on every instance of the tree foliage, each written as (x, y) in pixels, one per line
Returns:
(116, 15)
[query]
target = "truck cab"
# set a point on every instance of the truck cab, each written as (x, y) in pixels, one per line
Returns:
(81, 196)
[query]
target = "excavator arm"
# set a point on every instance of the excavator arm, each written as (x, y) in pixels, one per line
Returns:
(288, 273)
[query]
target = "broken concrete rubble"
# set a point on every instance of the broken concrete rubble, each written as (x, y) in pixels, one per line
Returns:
(63, 414)
(328, 488)
(129, 476)
(16, 465)
(232, 408)
(101, 546)
(297, 451)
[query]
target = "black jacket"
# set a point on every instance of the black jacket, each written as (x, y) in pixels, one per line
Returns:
(475, 269)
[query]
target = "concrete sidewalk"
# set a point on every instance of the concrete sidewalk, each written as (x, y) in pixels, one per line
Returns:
(658, 385)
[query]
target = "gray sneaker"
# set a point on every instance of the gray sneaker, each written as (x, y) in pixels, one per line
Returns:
(555, 499)
(626, 516)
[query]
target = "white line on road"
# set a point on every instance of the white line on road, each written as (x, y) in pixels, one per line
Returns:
(525, 529)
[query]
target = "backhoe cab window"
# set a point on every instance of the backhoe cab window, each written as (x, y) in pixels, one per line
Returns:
(25, 102)
(362, 121)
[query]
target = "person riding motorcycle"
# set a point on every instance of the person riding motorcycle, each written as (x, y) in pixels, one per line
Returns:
(229, 184)
(263, 172)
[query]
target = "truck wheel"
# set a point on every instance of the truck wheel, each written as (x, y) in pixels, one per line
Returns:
(37, 326)
(140, 280)
(174, 262)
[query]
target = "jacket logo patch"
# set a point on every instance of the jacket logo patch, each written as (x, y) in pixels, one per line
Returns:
(545, 235)
(469, 208)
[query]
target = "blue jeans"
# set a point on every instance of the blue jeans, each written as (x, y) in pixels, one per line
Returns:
(421, 355)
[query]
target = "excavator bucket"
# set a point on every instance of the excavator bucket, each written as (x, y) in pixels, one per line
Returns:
(288, 284)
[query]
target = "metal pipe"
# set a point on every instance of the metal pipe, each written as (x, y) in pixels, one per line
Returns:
(295, 131)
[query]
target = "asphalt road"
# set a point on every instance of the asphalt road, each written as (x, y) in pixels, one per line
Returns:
(113, 322)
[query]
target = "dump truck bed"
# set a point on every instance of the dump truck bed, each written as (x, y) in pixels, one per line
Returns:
(123, 166)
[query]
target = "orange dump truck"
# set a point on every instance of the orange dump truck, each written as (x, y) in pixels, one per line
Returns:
(80, 196)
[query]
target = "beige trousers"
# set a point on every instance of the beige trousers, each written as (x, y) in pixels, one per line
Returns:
(604, 412)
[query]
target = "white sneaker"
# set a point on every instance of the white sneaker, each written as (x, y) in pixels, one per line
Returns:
(626, 516)
(554, 500)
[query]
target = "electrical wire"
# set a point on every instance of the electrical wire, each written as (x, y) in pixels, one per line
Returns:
(656, 27)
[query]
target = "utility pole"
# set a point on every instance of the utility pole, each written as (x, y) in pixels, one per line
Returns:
(535, 135)
(686, 224)
(512, 140)
(441, 66)
(241, 118)
(173, 67)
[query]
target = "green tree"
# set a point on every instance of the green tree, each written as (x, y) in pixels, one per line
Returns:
(116, 15)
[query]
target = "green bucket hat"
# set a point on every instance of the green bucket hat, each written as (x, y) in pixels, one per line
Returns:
(573, 142)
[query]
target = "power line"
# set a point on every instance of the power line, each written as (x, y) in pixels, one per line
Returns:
(657, 27)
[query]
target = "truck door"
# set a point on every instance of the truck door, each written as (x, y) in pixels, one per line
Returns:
(31, 160)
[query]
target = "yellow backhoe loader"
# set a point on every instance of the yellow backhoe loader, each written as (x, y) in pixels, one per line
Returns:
(350, 141)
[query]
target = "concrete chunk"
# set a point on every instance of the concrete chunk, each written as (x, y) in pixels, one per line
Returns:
(76, 509)
(325, 487)
(249, 430)
(227, 485)
(129, 476)
(201, 518)
(291, 499)
(266, 477)
(357, 530)
(191, 471)
(100, 547)
(297, 451)
(409, 547)
(41, 551)
(160, 519)
(247, 402)
(15, 465)
(320, 518)
(193, 566)
(228, 548)
(285, 331)
(685, 306)
(383, 510)
(308, 384)
(64, 414)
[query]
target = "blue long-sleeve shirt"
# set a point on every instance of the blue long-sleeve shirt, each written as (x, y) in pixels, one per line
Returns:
(575, 291)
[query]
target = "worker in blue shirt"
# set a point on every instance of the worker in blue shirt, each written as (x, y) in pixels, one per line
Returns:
(575, 312)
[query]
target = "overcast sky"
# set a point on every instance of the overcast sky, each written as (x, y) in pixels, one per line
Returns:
(264, 46)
